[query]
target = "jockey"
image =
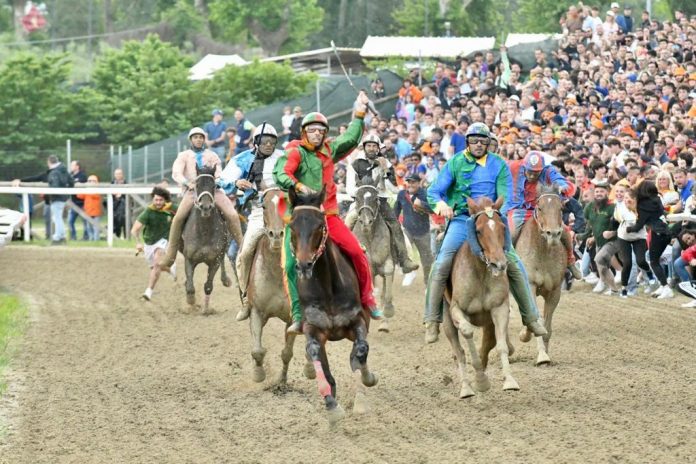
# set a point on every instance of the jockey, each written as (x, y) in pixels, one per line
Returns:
(474, 172)
(526, 176)
(307, 166)
(184, 173)
(382, 173)
(252, 171)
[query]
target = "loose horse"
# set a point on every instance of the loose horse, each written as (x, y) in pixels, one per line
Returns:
(205, 237)
(265, 293)
(374, 235)
(328, 291)
(478, 297)
(544, 256)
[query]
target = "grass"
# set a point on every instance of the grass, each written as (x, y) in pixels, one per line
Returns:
(13, 317)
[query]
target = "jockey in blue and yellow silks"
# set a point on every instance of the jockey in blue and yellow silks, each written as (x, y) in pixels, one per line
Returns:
(527, 175)
(474, 173)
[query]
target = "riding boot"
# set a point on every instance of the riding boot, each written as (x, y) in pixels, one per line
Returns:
(175, 231)
(568, 243)
(244, 260)
(351, 218)
(289, 262)
(519, 287)
(397, 238)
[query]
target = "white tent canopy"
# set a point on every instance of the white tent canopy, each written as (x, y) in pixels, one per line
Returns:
(205, 68)
(518, 39)
(445, 47)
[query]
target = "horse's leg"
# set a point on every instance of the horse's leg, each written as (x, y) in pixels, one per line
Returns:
(550, 302)
(224, 278)
(525, 333)
(487, 344)
(208, 287)
(258, 352)
(190, 289)
(501, 316)
(481, 382)
(453, 336)
(286, 356)
(325, 382)
(361, 372)
(388, 290)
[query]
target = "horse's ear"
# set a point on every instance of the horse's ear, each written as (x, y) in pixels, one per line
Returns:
(473, 206)
(292, 196)
(498, 203)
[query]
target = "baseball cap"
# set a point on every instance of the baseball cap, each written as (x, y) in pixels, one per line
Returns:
(217, 111)
(413, 177)
(611, 13)
(614, 5)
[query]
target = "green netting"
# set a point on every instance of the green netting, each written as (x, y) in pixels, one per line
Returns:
(153, 162)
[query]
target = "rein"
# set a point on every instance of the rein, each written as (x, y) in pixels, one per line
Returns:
(372, 211)
(324, 235)
(198, 196)
(535, 214)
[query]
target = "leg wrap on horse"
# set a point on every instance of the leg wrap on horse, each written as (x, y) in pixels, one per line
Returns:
(289, 262)
(246, 256)
(176, 229)
(519, 287)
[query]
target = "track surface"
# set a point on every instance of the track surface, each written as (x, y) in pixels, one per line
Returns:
(104, 377)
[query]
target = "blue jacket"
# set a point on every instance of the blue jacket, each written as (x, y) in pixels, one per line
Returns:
(524, 193)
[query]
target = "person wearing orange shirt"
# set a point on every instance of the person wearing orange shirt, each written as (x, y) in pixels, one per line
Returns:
(93, 209)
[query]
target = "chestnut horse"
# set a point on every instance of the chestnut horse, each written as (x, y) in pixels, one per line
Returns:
(330, 297)
(477, 293)
(544, 256)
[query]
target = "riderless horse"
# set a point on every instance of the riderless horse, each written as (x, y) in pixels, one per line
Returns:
(266, 296)
(373, 233)
(478, 297)
(330, 297)
(544, 256)
(205, 237)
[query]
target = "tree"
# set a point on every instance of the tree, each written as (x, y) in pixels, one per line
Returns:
(37, 109)
(144, 91)
(465, 18)
(274, 24)
(185, 19)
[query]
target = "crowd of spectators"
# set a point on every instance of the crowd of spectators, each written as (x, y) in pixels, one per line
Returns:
(614, 105)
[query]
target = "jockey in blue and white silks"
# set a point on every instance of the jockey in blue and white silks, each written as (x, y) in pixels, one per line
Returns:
(474, 172)
(252, 172)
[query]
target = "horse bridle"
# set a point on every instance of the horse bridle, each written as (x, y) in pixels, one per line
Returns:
(372, 211)
(324, 235)
(197, 196)
(535, 214)
(262, 196)
(488, 211)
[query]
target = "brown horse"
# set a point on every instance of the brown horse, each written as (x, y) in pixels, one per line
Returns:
(544, 256)
(330, 297)
(478, 297)
(266, 296)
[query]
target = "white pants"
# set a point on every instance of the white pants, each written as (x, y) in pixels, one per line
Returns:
(160, 244)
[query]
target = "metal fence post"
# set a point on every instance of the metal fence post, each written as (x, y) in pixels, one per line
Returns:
(110, 220)
(145, 153)
(69, 152)
(130, 164)
(120, 157)
(111, 158)
(178, 146)
(27, 225)
(162, 161)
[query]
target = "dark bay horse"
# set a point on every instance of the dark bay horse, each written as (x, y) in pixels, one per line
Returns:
(205, 237)
(328, 290)
(544, 256)
(478, 297)
(265, 292)
(373, 233)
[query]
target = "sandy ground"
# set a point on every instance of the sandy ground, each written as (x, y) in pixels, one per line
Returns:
(104, 377)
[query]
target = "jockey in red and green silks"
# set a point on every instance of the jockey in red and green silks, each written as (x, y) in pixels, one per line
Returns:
(307, 166)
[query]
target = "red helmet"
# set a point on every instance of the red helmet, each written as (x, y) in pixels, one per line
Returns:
(534, 161)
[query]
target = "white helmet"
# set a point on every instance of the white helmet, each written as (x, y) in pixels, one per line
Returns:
(372, 138)
(196, 130)
(265, 129)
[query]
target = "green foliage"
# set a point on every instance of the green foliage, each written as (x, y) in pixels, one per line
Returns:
(13, 316)
(251, 86)
(37, 108)
(400, 66)
(276, 25)
(144, 91)
(185, 20)
(424, 17)
(543, 15)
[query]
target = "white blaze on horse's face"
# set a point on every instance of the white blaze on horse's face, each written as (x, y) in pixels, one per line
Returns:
(367, 195)
(275, 201)
(491, 224)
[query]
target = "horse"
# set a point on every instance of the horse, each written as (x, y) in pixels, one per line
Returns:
(373, 233)
(328, 290)
(266, 297)
(205, 237)
(477, 293)
(544, 256)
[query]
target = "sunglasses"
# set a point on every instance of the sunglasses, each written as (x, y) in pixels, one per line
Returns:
(477, 140)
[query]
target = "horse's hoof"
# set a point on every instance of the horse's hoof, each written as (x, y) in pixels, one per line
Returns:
(227, 282)
(525, 335)
(384, 326)
(481, 383)
(370, 380)
(336, 415)
(511, 385)
(543, 359)
(309, 371)
(389, 310)
(360, 405)
(466, 391)
(191, 299)
(258, 375)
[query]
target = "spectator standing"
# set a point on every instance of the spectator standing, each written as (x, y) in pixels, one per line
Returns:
(79, 177)
(632, 241)
(57, 176)
(286, 121)
(296, 125)
(232, 143)
(119, 205)
(245, 129)
(215, 134)
(93, 209)
(625, 21)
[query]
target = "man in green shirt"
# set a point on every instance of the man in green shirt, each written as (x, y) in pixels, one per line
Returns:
(154, 222)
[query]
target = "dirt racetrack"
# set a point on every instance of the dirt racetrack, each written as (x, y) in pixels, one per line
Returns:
(103, 377)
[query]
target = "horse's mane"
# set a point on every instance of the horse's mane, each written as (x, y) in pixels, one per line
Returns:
(311, 199)
(545, 189)
(206, 169)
